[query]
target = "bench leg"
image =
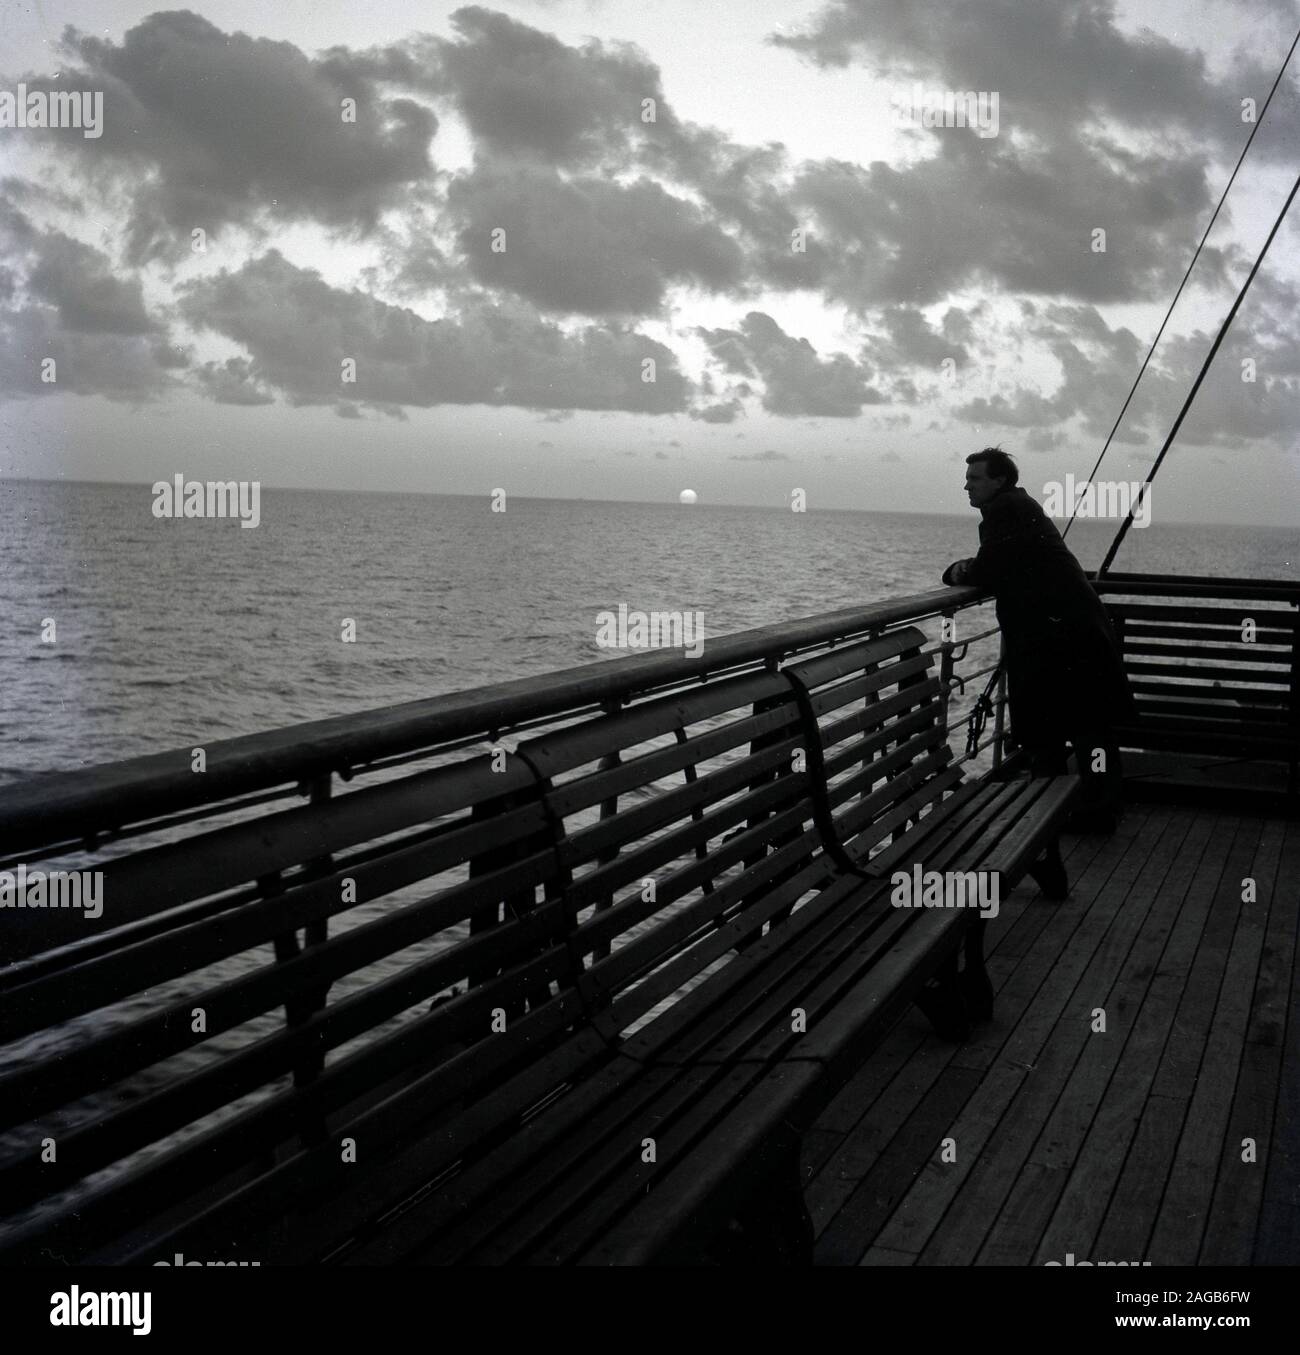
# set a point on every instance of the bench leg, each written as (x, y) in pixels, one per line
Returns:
(944, 1003)
(775, 1227)
(1048, 873)
(976, 986)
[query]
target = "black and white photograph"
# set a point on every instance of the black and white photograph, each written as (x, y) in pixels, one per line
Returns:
(650, 633)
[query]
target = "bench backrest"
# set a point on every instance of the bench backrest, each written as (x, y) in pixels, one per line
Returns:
(441, 932)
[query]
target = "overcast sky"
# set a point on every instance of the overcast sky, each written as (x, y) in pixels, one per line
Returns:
(831, 301)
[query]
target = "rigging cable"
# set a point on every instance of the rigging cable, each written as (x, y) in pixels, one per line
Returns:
(1196, 385)
(1222, 199)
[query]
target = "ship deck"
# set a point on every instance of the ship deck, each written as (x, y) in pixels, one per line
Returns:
(1122, 1145)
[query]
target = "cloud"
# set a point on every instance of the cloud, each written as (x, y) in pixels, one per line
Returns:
(1098, 364)
(607, 218)
(586, 246)
(526, 94)
(79, 282)
(212, 128)
(65, 305)
(1055, 66)
(796, 382)
(232, 383)
(299, 331)
(1098, 128)
(121, 367)
(909, 341)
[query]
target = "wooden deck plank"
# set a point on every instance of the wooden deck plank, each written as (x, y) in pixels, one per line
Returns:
(1078, 1214)
(1239, 1188)
(888, 1116)
(1097, 858)
(884, 1256)
(1180, 1224)
(912, 1151)
(1278, 1237)
(1063, 951)
(833, 1158)
(1062, 1032)
(879, 1100)
(1128, 1150)
(1024, 1217)
(1133, 1209)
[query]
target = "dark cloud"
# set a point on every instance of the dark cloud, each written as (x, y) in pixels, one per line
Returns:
(524, 93)
(1018, 220)
(80, 283)
(120, 367)
(67, 304)
(213, 128)
(1098, 365)
(909, 341)
(298, 332)
(796, 382)
(767, 456)
(587, 246)
(1097, 128)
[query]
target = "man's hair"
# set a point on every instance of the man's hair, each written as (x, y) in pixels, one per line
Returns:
(999, 466)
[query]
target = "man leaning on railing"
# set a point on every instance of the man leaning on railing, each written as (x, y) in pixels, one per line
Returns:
(1065, 677)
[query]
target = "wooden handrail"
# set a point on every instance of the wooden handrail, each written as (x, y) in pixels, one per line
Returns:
(1198, 586)
(62, 806)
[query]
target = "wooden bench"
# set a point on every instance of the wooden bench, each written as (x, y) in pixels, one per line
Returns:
(589, 1038)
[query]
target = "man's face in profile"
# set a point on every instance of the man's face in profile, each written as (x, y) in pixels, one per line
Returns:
(980, 486)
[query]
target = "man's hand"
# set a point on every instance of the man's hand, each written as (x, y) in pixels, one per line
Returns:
(960, 572)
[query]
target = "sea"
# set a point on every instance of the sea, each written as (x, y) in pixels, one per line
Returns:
(129, 634)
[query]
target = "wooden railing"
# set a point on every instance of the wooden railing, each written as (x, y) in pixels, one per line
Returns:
(81, 819)
(84, 818)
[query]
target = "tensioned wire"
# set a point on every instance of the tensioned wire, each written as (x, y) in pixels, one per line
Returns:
(1200, 376)
(1223, 197)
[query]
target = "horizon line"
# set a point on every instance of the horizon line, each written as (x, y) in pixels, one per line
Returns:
(664, 503)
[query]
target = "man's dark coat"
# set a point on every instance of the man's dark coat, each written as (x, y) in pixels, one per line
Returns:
(1064, 671)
